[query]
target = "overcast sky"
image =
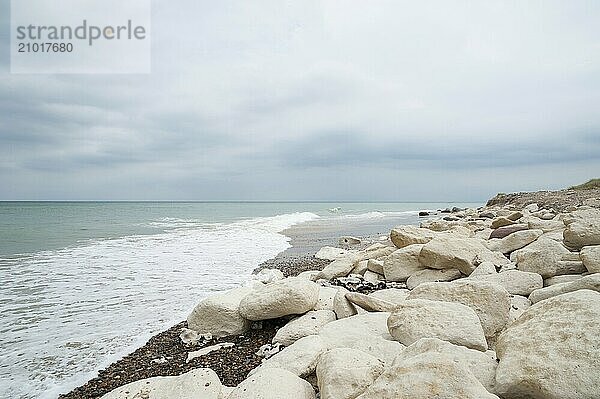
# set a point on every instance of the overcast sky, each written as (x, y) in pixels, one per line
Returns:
(318, 100)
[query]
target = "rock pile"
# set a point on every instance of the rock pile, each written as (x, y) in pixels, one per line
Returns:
(493, 302)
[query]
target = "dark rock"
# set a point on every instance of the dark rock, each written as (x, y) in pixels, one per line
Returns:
(423, 213)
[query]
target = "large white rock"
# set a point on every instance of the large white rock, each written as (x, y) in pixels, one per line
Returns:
(344, 373)
(299, 358)
(198, 383)
(483, 269)
(590, 256)
(552, 350)
(432, 275)
(367, 332)
(427, 376)
(452, 252)
(583, 229)
(453, 322)
(307, 324)
(341, 305)
(516, 282)
(514, 241)
(489, 300)
(590, 282)
(273, 383)
(288, 296)
(331, 253)
(218, 314)
(403, 263)
(518, 306)
(481, 364)
(340, 267)
(403, 236)
(369, 303)
(267, 276)
(376, 266)
(326, 296)
(393, 295)
(563, 278)
(543, 256)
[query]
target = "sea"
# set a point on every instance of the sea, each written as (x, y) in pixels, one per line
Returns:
(84, 283)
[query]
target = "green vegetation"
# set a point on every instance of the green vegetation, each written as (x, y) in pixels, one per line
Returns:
(594, 183)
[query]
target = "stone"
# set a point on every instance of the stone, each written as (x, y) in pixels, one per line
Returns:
(546, 225)
(485, 268)
(514, 241)
(426, 376)
(393, 295)
(582, 232)
(205, 351)
(481, 364)
(344, 373)
(421, 318)
(515, 216)
(501, 222)
(564, 278)
(267, 276)
(516, 282)
(464, 254)
(375, 251)
(300, 358)
(518, 305)
(331, 253)
(432, 275)
(590, 256)
(198, 383)
(375, 266)
(532, 208)
(339, 268)
(490, 301)
(543, 256)
(360, 267)
(373, 278)
(273, 383)
(505, 231)
(349, 240)
(552, 351)
(218, 315)
(342, 306)
(402, 263)
(367, 332)
(307, 324)
(281, 298)
(309, 275)
(370, 303)
(325, 301)
(403, 236)
(590, 282)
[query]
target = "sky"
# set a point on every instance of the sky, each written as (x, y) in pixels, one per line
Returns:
(318, 100)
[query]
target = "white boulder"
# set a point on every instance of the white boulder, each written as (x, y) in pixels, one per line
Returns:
(340, 267)
(219, 314)
(590, 256)
(516, 282)
(326, 296)
(370, 303)
(342, 306)
(590, 282)
(514, 241)
(299, 358)
(307, 324)
(544, 256)
(273, 383)
(403, 263)
(518, 306)
(432, 275)
(403, 236)
(393, 295)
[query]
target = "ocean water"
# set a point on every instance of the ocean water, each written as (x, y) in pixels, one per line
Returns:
(84, 283)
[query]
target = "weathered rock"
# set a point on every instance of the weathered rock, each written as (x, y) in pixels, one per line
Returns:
(552, 351)
(501, 222)
(590, 282)
(393, 295)
(342, 306)
(285, 297)
(349, 240)
(403, 236)
(518, 305)
(360, 267)
(309, 275)
(432, 275)
(367, 332)
(485, 268)
(515, 282)
(339, 267)
(331, 253)
(545, 225)
(267, 276)
(325, 301)
(206, 350)
(583, 230)
(273, 383)
(515, 216)
(344, 373)
(502, 232)
(373, 278)
(451, 252)
(481, 364)
(370, 303)
(449, 321)
(307, 324)
(532, 208)
(218, 315)
(590, 256)
(198, 383)
(543, 256)
(564, 278)
(299, 358)
(514, 241)
(402, 263)
(376, 266)
(489, 300)
(426, 376)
